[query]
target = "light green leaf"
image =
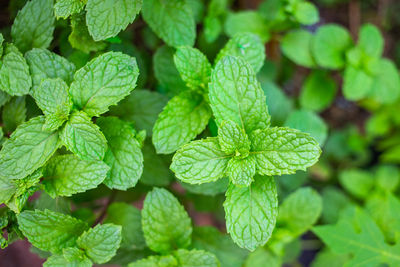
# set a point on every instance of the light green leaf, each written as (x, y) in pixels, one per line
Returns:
(241, 170)
(34, 25)
(308, 122)
(28, 149)
(371, 41)
(77, 256)
(261, 257)
(166, 225)
(318, 91)
(172, 21)
(233, 139)
(104, 81)
(50, 231)
(183, 118)
(296, 45)
(60, 261)
(356, 83)
(330, 45)
(208, 189)
(246, 46)
(4, 97)
(123, 154)
(106, 18)
(193, 66)
(251, 212)
(141, 107)
(194, 258)
(279, 104)
(247, 22)
(101, 242)
(388, 177)
(83, 138)
(156, 261)
(7, 189)
(66, 175)
(357, 182)
(14, 72)
(129, 218)
(200, 161)
(283, 150)
(306, 13)
(53, 99)
(386, 85)
(66, 8)
(14, 113)
(357, 233)
(45, 64)
(235, 94)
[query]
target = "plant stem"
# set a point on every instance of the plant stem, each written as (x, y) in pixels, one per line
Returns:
(103, 213)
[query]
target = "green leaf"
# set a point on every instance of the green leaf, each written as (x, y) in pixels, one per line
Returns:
(34, 25)
(105, 19)
(357, 84)
(53, 99)
(208, 189)
(141, 107)
(66, 175)
(247, 22)
(246, 46)
(194, 258)
(235, 94)
(200, 161)
(357, 182)
(296, 45)
(241, 170)
(28, 149)
(14, 113)
(166, 225)
(233, 139)
(251, 212)
(279, 104)
(61, 261)
(66, 8)
(156, 261)
(172, 21)
(130, 219)
(306, 13)
(50, 231)
(193, 66)
(318, 91)
(388, 177)
(45, 64)
(104, 81)
(4, 97)
(328, 258)
(371, 41)
(80, 37)
(183, 118)
(309, 122)
(210, 239)
(283, 151)
(101, 242)
(123, 154)
(83, 138)
(334, 201)
(386, 85)
(330, 45)
(357, 233)
(261, 257)
(7, 189)
(14, 72)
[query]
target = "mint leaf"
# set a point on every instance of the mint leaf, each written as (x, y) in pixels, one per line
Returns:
(371, 41)
(183, 118)
(77, 256)
(66, 175)
(251, 212)
(247, 22)
(129, 218)
(101, 242)
(386, 86)
(359, 183)
(7, 189)
(330, 45)
(60, 261)
(104, 81)
(83, 138)
(279, 104)
(123, 154)
(45, 64)
(156, 261)
(208, 189)
(306, 13)
(296, 45)
(172, 21)
(241, 170)
(105, 19)
(14, 113)
(66, 8)
(14, 72)
(50, 231)
(356, 83)
(235, 94)
(193, 66)
(28, 148)
(246, 46)
(34, 25)
(283, 151)
(201, 161)
(4, 97)
(193, 258)
(233, 139)
(53, 99)
(165, 223)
